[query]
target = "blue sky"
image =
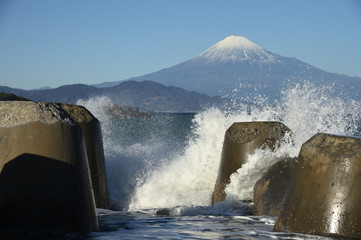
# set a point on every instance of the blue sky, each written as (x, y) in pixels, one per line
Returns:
(58, 42)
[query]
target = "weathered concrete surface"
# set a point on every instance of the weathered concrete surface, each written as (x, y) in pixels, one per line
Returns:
(241, 139)
(95, 152)
(324, 194)
(269, 190)
(44, 179)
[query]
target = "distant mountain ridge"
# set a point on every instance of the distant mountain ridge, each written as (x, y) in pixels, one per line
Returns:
(236, 63)
(233, 66)
(147, 95)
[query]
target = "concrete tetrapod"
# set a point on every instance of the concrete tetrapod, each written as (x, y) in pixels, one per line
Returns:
(44, 180)
(95, 152)
(241, 139)
(324, 194)
(271, 187)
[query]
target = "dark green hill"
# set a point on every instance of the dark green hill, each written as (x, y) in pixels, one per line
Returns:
(147, 95)
(11, 97)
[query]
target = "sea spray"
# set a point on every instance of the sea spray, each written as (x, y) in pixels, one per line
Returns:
(153, 173)
(189, 179)
(97, 106)
(126, 159)
(135, 147)
(306, 110)
(242, 181)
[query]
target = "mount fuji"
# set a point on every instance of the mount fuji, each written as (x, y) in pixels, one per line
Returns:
(233, 67)
(236, 64)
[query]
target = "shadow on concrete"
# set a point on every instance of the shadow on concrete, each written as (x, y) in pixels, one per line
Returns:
(38, 192)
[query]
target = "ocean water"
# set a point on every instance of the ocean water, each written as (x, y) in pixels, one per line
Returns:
(162, 171)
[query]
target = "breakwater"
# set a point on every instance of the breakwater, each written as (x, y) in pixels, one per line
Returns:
(51, 160)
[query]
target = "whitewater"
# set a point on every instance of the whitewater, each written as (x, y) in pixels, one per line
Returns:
(162, 171)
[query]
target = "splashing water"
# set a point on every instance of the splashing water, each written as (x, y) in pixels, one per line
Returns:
(306, 110)
(243, 180)
(133, 147)
(309, 110)
(97, 107)
(187, 177)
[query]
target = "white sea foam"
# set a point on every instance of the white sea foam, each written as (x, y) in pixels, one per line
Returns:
(97, 106)
(124, 162)
(242, 181)
(306, 110)
(146, 176)
(189, 179)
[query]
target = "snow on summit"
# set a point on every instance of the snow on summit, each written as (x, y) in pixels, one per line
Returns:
(236, 42)
(237, 66)
(236, 48)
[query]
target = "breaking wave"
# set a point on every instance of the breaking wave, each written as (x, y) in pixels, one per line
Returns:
(168, 172)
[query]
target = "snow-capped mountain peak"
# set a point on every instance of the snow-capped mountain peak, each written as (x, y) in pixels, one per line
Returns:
(236, 48)
(236, 42)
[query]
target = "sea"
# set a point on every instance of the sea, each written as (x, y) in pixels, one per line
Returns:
(162, 170)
